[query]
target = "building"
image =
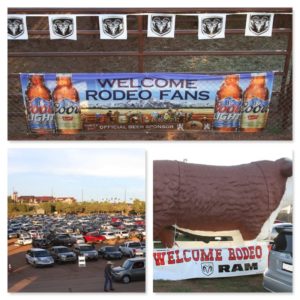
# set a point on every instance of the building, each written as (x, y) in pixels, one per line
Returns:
(43, 199)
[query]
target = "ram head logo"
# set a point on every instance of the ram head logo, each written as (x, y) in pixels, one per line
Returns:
(259, 24)
(15, 27)
(63, 27)
(207, 268)
(113, 27)
(212, 26)
(161, 25)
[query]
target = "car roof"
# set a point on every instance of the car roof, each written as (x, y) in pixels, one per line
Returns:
(81, 245)
(58, 247)
(136, 259)
(37, 249)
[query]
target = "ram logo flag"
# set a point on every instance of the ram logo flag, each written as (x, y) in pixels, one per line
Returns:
(113, 27)
(17, 27)
(62, 27)
(259, 24)
(161, 25)
(211, 26)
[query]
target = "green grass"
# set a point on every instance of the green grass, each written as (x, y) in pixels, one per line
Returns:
(240, 284)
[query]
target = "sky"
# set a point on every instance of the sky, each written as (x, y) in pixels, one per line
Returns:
(88, 174)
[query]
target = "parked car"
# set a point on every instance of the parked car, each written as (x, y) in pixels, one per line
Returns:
(132, 269)
(79, 239)
(41, 243)
(94, 237)
(110, 252)
(39, 257)
(123, 234)
(63, 240)
(278, 227)
(279, 275)
(11, 234)
(87, 250)
(109, 235)
(132, 249)
(62, 254)
(33, 233)
(24, 241)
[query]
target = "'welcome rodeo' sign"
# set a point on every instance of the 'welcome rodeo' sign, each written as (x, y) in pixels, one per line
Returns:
(177, 264)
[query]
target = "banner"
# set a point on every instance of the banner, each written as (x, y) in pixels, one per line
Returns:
(177, 264)
(259, 24)
(161, 25)
(62, 27)
(211, 26)
(69, 103)
(113, 27)
(17, 27)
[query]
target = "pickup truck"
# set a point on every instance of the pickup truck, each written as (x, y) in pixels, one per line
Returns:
(132, 249)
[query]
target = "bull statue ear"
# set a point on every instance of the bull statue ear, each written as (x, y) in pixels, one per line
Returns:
(286, 167)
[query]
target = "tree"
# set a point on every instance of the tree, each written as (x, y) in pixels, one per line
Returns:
(139, 206)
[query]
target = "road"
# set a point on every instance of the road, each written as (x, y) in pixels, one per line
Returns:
(60, 278)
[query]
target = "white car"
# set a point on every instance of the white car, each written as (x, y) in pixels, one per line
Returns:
(24, 241)
(39, 257)
(123, 234)
(108, 235)
(79, 238)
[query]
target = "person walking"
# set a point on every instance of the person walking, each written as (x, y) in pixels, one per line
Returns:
(108, 277)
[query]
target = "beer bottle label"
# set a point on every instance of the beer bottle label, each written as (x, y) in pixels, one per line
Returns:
(227, 113)
(254, 113)
(67, 114)
(41, 115)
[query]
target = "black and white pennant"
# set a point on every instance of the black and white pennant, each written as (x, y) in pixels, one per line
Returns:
(161, 25)
(211, 26)
(113, 27)
(259, 24)
(17, 27)
(62, 27)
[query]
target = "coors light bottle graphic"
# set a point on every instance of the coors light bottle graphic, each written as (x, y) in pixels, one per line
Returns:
(228, 105)
(67, 105)
(39, 105)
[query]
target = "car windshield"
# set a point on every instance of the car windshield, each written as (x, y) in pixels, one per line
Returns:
(86, 248)
(126, 264)
(284, 242)
(41, 254)
(112, 249)
(134, 245)
(63, 250)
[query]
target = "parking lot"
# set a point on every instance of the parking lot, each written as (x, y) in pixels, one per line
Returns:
(60, 278)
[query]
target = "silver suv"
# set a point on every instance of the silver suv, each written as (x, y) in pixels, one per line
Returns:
(131, 270)
(86, 250)
(62, 254)
(279, 275)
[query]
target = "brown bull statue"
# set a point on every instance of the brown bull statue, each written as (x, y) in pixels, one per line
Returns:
(216, 198)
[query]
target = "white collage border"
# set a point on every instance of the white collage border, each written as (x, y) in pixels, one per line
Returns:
(152, 148)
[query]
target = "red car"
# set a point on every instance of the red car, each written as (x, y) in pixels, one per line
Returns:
(94, 237)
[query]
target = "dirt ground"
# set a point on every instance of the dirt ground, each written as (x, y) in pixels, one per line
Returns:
(241, 284)
(61, 278)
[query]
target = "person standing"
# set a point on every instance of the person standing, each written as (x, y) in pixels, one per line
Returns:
(108, 277)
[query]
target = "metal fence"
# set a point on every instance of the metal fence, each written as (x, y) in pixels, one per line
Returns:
(184, 53)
